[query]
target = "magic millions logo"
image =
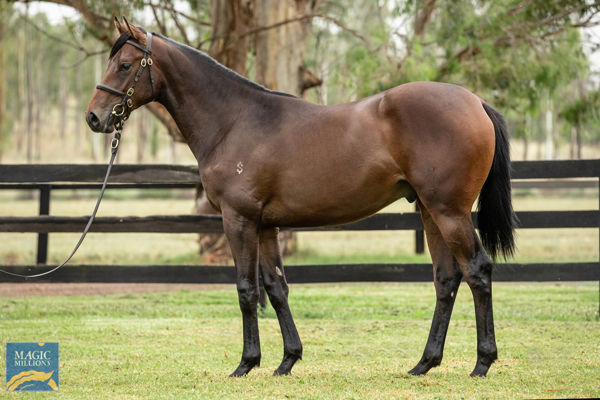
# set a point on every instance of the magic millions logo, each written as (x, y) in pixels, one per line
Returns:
(31, 367)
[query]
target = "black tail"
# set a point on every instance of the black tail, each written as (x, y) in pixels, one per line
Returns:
(497, 220)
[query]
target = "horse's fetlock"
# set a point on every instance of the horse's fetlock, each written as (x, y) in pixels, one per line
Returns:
(294, 351)
(488, 353)
(251, 359)
(431, 360)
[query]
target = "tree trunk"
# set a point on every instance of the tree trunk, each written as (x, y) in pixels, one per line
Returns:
(77, 119)
(572, 143)
(279, 66)
(280, 51)
(40, 100)
(64, 97)
(142, 135)
(96, 138)
(549, 130)
(29, 88)
(21, 89)
(526, 134)
(2, 108)
(578, 139)
(229, 22)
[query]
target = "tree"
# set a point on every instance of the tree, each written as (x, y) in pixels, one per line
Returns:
(514, 53)
(2, 108)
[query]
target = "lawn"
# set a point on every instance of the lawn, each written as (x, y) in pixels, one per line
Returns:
(359, 341)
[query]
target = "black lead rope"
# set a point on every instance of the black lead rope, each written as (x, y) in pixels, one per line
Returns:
(114, 149)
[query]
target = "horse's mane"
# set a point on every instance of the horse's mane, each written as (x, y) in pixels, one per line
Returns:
(205, 60)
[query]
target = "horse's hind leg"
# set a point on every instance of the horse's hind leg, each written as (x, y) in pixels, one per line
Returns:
(271, 268)
(459, 234)
(446, 278)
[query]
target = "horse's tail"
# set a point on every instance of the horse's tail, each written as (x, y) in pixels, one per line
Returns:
(497, 220)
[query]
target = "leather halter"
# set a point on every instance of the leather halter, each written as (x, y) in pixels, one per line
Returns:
(122, 110)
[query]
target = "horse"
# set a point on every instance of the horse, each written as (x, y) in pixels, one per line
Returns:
(269, 160)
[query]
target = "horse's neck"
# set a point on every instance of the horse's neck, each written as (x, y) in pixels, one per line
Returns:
(204, 102)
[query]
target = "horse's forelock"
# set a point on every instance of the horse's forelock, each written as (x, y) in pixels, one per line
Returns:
(125, 36)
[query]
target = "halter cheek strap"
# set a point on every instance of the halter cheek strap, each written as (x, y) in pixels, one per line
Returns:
(122, 110)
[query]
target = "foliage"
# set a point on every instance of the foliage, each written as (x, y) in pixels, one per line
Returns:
(525, 57)
(515, 54)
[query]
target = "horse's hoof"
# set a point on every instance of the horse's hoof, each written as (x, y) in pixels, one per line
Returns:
(279, 372)
(285, 368)
(237, 373)
(243, 369)
(418, 370)
(480, 371)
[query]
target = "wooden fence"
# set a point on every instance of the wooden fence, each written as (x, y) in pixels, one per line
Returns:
(47, 178)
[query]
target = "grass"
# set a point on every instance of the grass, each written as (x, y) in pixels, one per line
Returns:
(534, 245)
(359, 341)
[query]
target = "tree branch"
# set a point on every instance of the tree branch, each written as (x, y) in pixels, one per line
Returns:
(423, 17)
(276, 25)
(180, 27)
(524, 31)
(99, 23)
(169, 7)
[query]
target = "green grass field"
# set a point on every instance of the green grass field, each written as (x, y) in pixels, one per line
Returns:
(359, 342)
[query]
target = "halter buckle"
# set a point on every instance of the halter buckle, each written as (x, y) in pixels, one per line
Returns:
(129, 103)
(115, 143)
(143, 62)
(130, 92)
(150, 62)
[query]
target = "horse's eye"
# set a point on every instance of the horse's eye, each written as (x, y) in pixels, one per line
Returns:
(125, 67)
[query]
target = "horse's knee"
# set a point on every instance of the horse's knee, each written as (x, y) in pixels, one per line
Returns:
(248, 295)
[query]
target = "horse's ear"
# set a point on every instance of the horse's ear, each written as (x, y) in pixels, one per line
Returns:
(119, 26)
(135, 33)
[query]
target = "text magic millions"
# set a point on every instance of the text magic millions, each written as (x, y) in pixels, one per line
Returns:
(32, 358)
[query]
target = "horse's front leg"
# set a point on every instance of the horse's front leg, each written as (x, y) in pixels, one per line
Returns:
(242, 235)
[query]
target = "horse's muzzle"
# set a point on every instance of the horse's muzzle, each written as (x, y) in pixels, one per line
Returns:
(96, 124)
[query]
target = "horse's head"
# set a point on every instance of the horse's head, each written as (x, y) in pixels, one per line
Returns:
(128, 82)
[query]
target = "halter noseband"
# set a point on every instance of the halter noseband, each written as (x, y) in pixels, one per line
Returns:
(126, 103)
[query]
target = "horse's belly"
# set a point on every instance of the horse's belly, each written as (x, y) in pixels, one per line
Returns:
(334, 207)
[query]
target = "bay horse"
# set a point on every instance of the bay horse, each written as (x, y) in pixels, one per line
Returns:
(268, 160)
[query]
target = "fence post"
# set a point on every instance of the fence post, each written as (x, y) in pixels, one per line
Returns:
(419, 237)
(42, 245)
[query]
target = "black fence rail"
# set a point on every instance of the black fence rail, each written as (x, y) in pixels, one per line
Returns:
(46, 178)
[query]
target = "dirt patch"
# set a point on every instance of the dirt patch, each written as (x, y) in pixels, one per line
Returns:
(85, 289)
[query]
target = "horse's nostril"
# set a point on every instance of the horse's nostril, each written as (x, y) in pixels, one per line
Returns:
(93, 120)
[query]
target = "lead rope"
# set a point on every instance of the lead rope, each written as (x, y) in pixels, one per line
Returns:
(114, 148)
